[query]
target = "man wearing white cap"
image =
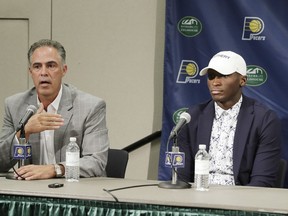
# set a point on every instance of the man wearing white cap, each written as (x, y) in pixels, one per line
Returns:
(241, 134)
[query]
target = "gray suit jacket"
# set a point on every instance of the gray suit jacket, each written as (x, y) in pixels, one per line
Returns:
(84, 118)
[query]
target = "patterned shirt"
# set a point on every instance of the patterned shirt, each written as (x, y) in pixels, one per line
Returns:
(221, 144)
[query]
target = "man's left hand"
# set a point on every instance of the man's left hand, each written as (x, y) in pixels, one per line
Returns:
(33, 172)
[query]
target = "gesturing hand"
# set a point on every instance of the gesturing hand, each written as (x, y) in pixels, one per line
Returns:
(42, 121)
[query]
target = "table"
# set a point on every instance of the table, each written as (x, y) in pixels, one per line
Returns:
(87, 197)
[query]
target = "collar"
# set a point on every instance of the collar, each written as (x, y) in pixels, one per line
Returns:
(233, 110)
(55, 103)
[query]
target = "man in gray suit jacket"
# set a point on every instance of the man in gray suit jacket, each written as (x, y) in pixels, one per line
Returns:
(243, 136)
(63, 112)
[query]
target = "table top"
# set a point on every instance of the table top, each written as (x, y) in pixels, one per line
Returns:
(147, 192)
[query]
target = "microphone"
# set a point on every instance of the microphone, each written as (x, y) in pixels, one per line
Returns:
(176, 159)
(184, 119)
(31, 109)
(22, 151)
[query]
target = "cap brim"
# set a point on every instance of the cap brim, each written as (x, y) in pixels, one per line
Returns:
(204, 71)
(219, 70)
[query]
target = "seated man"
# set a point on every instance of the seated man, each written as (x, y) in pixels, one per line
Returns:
(242, 135)
(63, 112)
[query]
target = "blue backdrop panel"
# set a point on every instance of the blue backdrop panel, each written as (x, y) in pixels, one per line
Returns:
(196, 30)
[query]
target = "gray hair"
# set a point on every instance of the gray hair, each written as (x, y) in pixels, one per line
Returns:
(49, 43)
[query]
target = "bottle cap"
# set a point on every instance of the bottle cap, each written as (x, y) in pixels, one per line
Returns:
(72, 139)
(202, 146)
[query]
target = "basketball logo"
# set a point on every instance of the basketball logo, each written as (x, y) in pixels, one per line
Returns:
(252, 29)
(20, 151)
(188, 70)
(191, 69)
(255, 26)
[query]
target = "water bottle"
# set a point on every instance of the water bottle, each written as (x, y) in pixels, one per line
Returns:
(72, 161)
(201, 174)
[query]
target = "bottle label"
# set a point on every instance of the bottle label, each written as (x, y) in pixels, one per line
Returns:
(72, 158)
(201, 167)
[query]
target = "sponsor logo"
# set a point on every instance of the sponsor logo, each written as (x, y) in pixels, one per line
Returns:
(188, 70)
(177, 113)
(252, 28)
(256, 75)
(189, 26)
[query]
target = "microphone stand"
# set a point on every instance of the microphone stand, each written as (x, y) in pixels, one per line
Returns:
(22, 141)
(21, 161)
(174, 183)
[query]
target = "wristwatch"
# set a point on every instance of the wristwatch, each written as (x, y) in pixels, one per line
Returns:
(58, 170)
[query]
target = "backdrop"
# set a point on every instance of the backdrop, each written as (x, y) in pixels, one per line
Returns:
(196, 30)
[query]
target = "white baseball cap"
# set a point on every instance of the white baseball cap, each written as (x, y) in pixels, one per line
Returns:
(226, 62)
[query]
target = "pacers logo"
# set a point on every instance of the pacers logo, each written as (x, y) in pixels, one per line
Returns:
(187, 71)
(175, 159)
(252, 28)
(20, 152)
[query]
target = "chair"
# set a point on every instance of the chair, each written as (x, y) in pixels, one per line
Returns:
(281, 174)
(116, 163)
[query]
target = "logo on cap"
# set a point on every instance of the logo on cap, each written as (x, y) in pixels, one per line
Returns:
(252, 28)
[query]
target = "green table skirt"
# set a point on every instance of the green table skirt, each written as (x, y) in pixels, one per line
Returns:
(40, 206)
